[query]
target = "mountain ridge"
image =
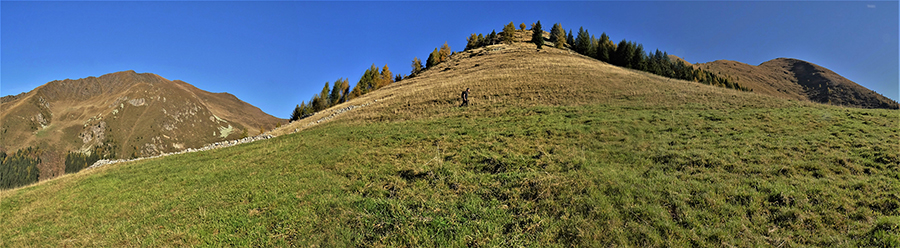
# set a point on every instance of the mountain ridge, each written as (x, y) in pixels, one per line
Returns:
(797, 79)
(140, 114)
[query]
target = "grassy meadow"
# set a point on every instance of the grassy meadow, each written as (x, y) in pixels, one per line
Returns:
(579, 154)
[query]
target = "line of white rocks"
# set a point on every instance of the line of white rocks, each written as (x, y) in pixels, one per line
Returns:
(216, 145)
(222, 144)
(336, 113)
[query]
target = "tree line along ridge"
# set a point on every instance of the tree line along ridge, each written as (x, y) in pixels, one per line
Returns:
(627, 54)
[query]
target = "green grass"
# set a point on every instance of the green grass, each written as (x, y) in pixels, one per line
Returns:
(544, 176)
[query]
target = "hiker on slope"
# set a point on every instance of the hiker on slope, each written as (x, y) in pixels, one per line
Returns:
(465, 98)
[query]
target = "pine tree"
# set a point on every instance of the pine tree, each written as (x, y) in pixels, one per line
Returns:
(492, 38)
(603, 49)
(509, 33)
(316, 103)
(522, 26)
(558, 36)
(335, 96)
(326, 95)
(537, 35)
(296, 114)
(481, 42)
(416, 66)
(554, 37)
(370, 79)
(433, 59)
(623, 55)
(387, 77)
(301, 110)
(367, 83)
(570, 40)
(320, 101)
(356, 92)
(637, 57)
(345, 91)
(445, 53)
(471, 42)
(583, 42)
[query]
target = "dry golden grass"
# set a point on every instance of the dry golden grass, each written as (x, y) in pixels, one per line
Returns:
(521, 75)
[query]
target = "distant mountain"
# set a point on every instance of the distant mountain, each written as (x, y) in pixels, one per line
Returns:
(800, 80)
(128, 113)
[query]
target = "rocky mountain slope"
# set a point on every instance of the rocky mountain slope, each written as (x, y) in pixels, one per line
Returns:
(800, 80)
(129, 114)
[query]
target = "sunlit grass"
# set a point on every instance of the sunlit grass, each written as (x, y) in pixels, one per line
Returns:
(592, 175)
(579, 154)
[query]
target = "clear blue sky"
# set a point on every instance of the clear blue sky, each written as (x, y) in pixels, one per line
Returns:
(276, 54)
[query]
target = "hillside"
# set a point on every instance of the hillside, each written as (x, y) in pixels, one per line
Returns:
(130, 114)
(800, 80)
(555, 150)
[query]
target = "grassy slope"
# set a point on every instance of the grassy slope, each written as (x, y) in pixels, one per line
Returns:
(579, 153)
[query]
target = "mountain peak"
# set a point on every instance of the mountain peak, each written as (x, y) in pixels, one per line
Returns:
(132, 114)
(801, 80)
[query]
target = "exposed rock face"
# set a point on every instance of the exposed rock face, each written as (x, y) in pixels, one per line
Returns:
(92, 132)
(135, 114)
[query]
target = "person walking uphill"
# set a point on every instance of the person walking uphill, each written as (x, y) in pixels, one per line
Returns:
(465, 98)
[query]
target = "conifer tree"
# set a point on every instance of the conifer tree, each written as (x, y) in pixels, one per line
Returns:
(603, 49)
(345, 90)
(554, 37)
(522, 26)
(387, 77)
(370, 79)
(622, 56)
(316, 103)
(583, 42)
(481, 40)
(398, 77)
(445, 53)
(301, 109)
(493, 37)
(537, 35)
(558, 36)
(433, 59)
(509, 33)
(570, 40)
(367, 82)
(335, 96)
(323, 98)
(637, 57)
(296, 114)
(471, 42)
(416, 66)
(356, 92)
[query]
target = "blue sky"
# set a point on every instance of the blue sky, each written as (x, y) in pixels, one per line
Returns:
(275, 54)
